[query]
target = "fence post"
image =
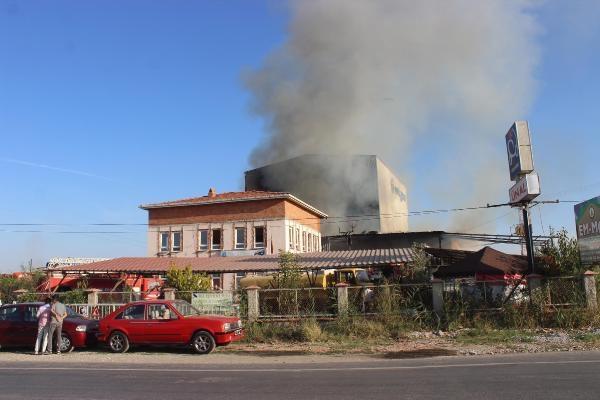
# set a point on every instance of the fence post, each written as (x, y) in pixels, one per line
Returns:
(437, 293)
(342, 299)
(534, 281)
(589, 285)
(92, 296)
(253, 305)
(169, 293)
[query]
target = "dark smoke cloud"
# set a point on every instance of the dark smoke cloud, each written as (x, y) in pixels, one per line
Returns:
(377, 77)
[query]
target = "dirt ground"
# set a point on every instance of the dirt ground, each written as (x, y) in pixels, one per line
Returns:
(413, 345)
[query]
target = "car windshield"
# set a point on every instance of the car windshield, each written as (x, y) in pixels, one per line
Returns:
(186, 309)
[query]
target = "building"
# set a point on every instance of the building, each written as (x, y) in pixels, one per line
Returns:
(233, 224)
(359, 192)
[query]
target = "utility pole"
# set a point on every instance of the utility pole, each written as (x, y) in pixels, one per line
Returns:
(528, 239)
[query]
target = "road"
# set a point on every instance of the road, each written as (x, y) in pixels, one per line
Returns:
(538, 376)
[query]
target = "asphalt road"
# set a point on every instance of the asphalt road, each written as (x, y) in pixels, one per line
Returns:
(540, 376)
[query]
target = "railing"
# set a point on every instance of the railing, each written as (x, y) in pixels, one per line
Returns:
(97, 311)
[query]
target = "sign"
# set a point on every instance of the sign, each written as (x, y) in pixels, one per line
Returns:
(587, 222)
(526, 189)
(214, 302)
(518, 149)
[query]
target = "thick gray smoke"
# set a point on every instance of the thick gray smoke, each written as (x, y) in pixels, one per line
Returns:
(397, 79)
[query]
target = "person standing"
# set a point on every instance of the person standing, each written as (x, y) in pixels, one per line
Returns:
(59, 312)
(43, 316)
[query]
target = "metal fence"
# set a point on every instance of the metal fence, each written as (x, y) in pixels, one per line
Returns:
(301, 302)
(564, 292)
(98, 311)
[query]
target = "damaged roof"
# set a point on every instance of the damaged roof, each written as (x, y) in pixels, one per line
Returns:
(306, 261)
(485, 261)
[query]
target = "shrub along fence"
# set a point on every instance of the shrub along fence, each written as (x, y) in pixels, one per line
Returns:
(532, 301)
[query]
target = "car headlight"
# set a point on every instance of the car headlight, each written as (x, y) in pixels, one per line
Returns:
(81, 328)
(226, 327)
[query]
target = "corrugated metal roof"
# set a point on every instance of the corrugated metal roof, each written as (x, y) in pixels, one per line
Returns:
(318, 260)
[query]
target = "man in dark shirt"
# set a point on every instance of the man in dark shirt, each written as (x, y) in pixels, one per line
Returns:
(59, 313)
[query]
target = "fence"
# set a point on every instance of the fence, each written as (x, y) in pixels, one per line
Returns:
(417, 301)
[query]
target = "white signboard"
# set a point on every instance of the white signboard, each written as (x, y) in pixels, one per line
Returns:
(518, 149)
(526, 189)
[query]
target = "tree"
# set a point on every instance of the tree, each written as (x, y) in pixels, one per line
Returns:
(417, 270)
(186, 281)
(289, 274)
(560, 255)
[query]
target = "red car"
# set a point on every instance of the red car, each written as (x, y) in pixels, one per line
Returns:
(169, 323)
(18, 327)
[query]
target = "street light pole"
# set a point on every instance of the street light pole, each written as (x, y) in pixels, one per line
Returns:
(528, 240)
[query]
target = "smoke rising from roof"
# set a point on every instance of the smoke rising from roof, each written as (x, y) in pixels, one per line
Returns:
(390, 77)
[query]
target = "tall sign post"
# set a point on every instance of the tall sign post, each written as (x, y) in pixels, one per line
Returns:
(527, 182)
(587, 222)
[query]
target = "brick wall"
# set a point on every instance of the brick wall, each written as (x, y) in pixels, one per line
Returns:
(301, 216)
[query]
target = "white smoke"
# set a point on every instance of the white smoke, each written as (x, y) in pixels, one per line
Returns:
(396, 78)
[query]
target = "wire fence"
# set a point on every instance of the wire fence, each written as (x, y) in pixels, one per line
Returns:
(301, 302)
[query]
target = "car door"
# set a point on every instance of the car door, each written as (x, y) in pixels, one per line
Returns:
(10, 317)
(133, 322)
(163, 324)
(28, 326)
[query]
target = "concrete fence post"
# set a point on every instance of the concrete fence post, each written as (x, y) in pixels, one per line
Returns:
(437, 293)
(92, 296)
(253, 303)
(534, 281)
(589, 286)
(342, 299)
(169, 293)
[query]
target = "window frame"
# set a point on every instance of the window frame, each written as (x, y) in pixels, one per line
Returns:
(239, 245)
(166, 248)
(259, 245)
(219, 246)
(202, 247)
(180, 248)
(121, 315)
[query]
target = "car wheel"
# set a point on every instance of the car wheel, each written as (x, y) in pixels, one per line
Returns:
(66, 346)
(203, 342)
(118, 342)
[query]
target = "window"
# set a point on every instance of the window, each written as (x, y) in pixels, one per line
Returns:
(176, 240)
(216, 281)
(240, 238)
(164, 241)
(216, 239)
(259, 237)
(317, 247)
(238, 278)
(160, 311)
(304, 246)
(10, 314)
(133, 312)
(203, 240)
(31, 313)
(310, 242)
(291, 234)
(297, 239)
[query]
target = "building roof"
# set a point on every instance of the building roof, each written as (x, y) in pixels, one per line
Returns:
(307, 261)
(233, 197)
(487, 261)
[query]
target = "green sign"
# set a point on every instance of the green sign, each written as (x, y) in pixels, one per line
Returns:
(587, 221)
(214, 302)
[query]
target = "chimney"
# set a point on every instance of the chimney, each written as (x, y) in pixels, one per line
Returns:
(212, 193)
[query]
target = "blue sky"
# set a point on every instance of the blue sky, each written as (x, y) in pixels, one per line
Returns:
(107, 105)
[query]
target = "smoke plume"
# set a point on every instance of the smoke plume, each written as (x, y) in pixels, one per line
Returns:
(403, 80)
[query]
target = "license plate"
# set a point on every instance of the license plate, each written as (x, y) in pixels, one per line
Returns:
(237, 332)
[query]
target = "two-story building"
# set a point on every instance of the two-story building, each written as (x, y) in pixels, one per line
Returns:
(233, 223)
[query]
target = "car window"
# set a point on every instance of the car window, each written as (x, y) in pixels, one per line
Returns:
(31, 313)
(160, 311)
(133, 312)
(10, 313)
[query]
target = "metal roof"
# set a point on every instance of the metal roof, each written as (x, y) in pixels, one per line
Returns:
(306, 261)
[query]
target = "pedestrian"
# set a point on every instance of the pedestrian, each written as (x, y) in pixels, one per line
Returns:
(59, 312)
(43, 316)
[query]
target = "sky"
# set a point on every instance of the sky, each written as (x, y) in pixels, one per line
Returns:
(105, 105)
